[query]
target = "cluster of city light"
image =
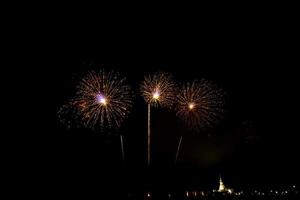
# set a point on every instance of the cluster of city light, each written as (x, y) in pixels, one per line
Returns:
(199, 193)
(195, 193)
(283, 192)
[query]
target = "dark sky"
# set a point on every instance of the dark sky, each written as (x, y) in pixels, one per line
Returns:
(256, 142)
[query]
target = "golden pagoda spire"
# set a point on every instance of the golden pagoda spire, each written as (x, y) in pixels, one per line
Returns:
(221, 185)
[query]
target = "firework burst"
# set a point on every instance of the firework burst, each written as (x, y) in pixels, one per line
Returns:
(159, 89)
(199, 104)
(102, 99)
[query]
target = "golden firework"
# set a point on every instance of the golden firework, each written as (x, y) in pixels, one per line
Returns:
(103, 98)
(199, 104)
(159, 89)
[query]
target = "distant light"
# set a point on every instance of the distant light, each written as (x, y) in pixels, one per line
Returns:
(187, 193)
(101, 99)
(229, 191)
(148, 195)
(294, 186)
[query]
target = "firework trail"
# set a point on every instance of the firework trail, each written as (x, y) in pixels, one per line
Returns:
(158, 89)
(103, 100)
(199, 105)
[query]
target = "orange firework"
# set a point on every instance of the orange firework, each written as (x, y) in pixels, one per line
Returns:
(159, 89)
(199, 104)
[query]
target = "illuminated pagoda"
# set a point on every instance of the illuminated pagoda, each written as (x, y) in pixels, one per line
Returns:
(222, 187)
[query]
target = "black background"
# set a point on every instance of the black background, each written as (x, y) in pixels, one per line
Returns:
(256, 143)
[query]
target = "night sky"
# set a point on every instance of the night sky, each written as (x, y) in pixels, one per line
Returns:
(255, 144)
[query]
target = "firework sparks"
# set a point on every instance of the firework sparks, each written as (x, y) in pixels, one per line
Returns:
(199, 104)
(103, 99)
(159, 89)
(69, 116)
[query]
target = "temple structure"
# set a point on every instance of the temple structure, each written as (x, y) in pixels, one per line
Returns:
(222, 187)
